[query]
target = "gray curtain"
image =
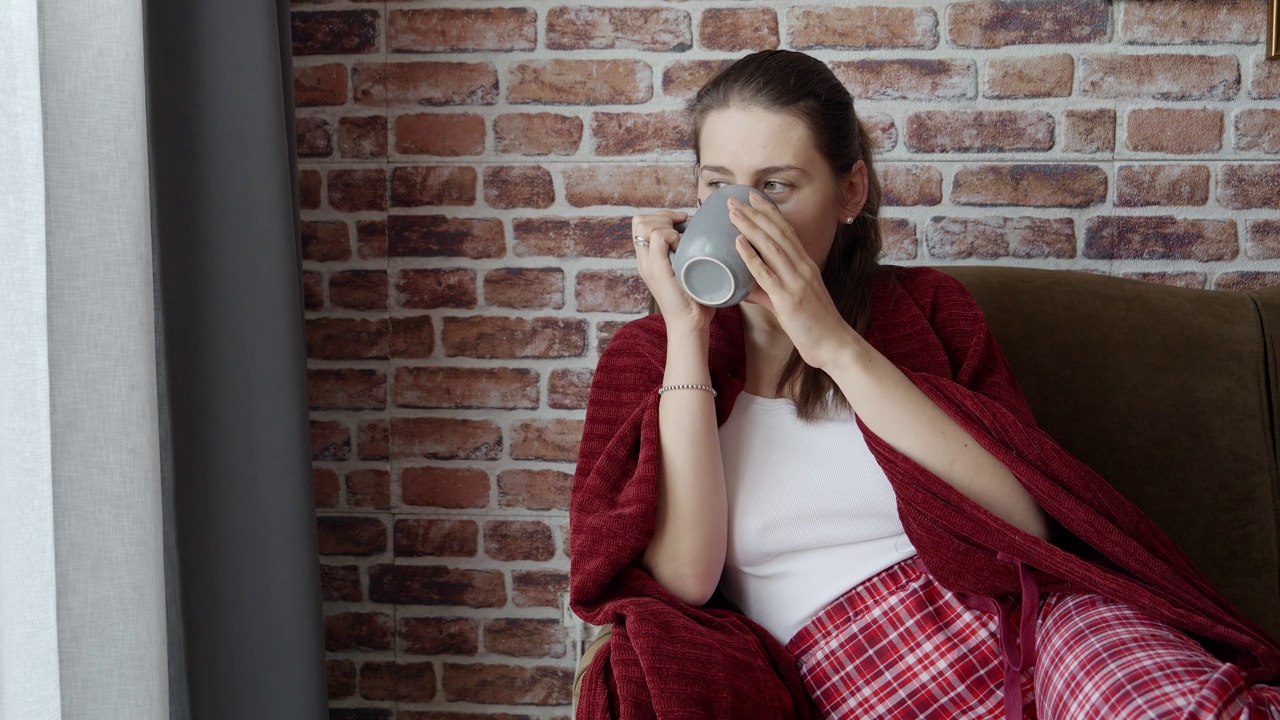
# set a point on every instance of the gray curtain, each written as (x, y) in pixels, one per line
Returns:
(246, 637)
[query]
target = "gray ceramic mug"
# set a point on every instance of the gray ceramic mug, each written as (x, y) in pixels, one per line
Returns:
(706, 261)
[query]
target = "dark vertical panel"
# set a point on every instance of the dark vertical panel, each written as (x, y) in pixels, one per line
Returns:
(238, 465)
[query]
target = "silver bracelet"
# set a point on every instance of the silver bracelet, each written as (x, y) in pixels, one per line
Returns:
(688, 386)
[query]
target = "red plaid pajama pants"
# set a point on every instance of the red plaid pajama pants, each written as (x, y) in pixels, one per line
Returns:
(900, 645)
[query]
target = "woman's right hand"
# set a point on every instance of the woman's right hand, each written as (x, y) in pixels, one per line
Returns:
(654, 263)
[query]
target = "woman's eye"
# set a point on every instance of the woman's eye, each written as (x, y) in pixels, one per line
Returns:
(715, 184)
(774, 186)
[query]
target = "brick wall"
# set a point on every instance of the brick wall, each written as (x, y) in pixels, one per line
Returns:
(467, 177)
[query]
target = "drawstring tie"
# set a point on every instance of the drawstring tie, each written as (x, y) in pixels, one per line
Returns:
(1023, 656)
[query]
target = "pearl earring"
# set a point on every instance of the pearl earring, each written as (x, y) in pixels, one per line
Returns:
(848, 220)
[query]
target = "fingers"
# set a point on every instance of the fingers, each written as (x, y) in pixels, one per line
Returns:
(772, 239)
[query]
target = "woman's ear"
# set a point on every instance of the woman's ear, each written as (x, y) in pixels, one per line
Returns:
(854, 190)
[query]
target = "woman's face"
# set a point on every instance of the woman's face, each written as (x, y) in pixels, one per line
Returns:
(774, 153)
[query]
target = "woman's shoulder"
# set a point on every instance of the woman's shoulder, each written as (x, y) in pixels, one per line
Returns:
(928, 288)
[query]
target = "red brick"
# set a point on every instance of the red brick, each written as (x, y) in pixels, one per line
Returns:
(907, 184)
(593, 237)
(398, 682)
(1174, 132)
(513, 337)
(909, 79)
(346, 339)
(326, 241)
(312, 290)
(374, 440)
(524, 288)
(414, 84)
(371, 239)
(882, 131)
(330, 440)
(436, 288)
(1192, 22)
(358, 631)
(340, 676)
(369, 488)
(862, 28)
(999, 23)
(309, 184)
(346, 389)
(412, 337)
(459, 30)
(436, 538)
(538, 588)
(320, 85)
(442, 134)
(1263, 240)
(546, 440)
(345, 32)
(1266, 80)
(356, 190)
(314, 137)
(646, 186)
(440, 636)
(340, 583)
(992, 237)
(439, 185)
(534, 489)
(1248, 186)
(1161, 237)
(899, 240)
(581, 82)
(510, 540)
(611, 291)
(567, 388)
(455, 387)
(456, 488)
(1160, 76)
(562, 529)
(359, 289)
(526, 637)
(1162, 184)
(537, 134)
(604, 332)
(442, 236)
(1030, 77)
(436, 585)
(362, 136)
(627, 28)
(639, 133)
(1049, 185)
(1258, 129)
(445, 438)
(735, 30)
(1177, 279)
(324, 485)
(437, 715)
(351, 535)
(508, 684)
(1089, 131)
(682, 78)
(940, 131)
(523, 186)
(1246, 281)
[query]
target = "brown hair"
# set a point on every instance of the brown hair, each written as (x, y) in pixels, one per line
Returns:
(807, 89)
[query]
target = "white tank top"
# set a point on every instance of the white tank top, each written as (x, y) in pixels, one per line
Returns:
(811, 513)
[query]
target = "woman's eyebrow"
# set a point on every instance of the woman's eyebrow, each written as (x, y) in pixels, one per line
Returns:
(721, 170)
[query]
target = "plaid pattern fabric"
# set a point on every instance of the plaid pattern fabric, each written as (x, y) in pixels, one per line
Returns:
(901, 646)
(1102, 659)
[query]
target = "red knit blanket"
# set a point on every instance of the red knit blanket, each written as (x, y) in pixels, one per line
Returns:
(666, 659)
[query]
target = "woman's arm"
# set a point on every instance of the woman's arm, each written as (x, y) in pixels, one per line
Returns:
(686, 554)
(687, 551)
(889, 404)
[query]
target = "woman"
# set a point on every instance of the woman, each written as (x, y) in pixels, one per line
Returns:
(847, 458)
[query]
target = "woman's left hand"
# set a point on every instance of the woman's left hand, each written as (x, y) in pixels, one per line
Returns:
(789, 283)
